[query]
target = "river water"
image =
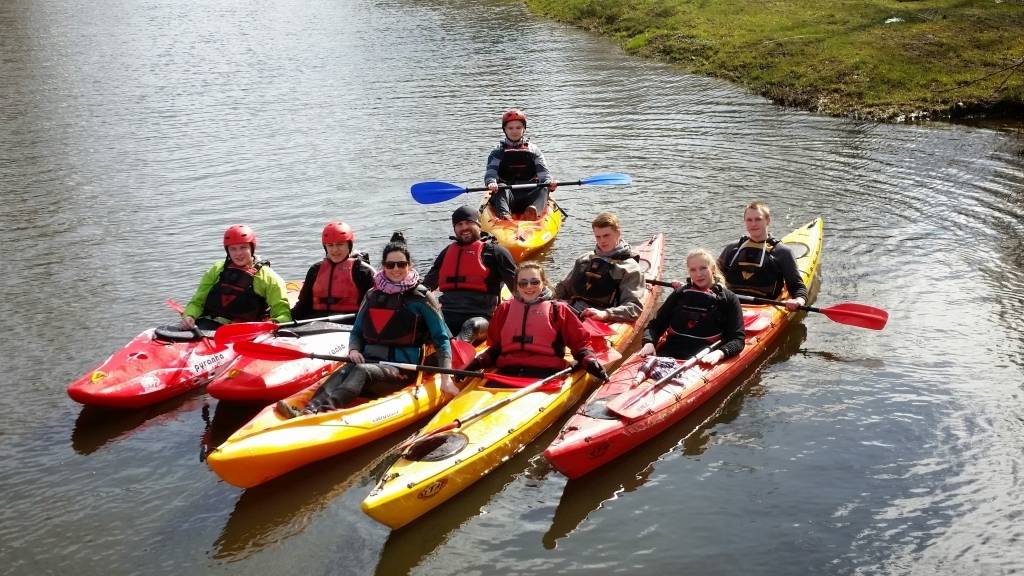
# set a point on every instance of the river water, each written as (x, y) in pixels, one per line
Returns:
(133, 133)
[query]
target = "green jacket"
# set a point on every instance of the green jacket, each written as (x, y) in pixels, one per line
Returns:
(266, 283)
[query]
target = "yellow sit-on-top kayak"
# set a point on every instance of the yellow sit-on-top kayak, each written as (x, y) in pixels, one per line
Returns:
(522, 238)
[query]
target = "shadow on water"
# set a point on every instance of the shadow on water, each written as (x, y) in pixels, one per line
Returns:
(632, 470)
(97, 427)
(272, 512)
(227, 418)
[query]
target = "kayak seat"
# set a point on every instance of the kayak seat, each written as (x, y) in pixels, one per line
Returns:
(313, 328)
(172, 333)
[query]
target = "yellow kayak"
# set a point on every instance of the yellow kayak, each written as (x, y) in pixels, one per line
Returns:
(522, 238)
(434, 470)
(270, 445)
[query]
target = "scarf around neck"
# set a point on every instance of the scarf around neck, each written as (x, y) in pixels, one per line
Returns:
(384, 284)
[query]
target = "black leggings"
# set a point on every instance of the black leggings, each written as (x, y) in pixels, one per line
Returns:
(352, 381)
(506, 202)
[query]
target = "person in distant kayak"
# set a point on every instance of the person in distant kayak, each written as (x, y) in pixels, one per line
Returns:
(516, 160)
(338, 283)
(397, 317)
(529, 333)
(469, 273)
(759, 265)
(696, 315)
(606, 284)
(238, 289)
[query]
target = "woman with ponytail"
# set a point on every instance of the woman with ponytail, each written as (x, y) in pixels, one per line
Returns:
(395, 319)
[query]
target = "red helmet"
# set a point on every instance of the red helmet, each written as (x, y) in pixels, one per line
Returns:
(337, 231)
(513, 114)
(239, 234)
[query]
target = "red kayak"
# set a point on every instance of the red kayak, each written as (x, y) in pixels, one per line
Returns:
(628, 410)
(158, 364)
(255, 380)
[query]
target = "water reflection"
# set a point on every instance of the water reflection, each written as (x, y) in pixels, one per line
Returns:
(268, 514)
(97, 427)
(694, 433)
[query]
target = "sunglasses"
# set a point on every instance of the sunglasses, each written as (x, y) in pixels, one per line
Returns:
(391, 264)
(530, 282)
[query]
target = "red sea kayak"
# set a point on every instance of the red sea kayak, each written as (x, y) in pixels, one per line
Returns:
(596, 435)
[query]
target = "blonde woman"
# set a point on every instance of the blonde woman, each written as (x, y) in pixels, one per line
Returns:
(699, 313)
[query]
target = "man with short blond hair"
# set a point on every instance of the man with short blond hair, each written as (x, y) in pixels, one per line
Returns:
(606, 284)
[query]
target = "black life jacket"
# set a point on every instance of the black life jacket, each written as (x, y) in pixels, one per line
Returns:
(696, 314)
(595, 285)
(517, 164)
(753, 270)
(389, 322)
(233, 296)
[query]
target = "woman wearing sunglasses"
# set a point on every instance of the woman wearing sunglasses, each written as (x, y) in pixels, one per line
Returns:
(396, 318)
(529, 333)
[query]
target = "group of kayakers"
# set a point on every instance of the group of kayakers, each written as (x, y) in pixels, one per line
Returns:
(397, 313)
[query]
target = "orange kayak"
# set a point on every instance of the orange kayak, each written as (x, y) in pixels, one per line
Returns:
(522, 238)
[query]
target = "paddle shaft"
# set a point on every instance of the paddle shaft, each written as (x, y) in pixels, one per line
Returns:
(459, 422)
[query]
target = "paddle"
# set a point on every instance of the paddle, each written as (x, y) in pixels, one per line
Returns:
(434, 192)
(849, 313)
(282, 353)
(230, 333)
(635, 405)
(459, 422)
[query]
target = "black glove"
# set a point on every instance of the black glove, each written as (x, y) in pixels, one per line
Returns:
(595, 369)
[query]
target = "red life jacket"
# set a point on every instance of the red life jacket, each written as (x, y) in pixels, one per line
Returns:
(530, 337)
(334, 289)
(389, 322)
(233, 296)
(463, 268)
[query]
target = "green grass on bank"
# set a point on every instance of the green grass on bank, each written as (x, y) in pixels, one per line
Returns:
(882, 59)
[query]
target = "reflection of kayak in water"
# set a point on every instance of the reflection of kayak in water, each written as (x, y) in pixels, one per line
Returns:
(522, 238)
(261, 381)
(97, 427)
(621, 415)
(158, 364)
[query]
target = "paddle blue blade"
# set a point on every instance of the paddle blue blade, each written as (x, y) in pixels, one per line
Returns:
(607, 179)
(434, 192)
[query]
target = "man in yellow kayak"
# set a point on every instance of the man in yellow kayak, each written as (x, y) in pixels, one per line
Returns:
(469, 273)
(238, 288)
(759, 265)
(516, 160)
(606, 284)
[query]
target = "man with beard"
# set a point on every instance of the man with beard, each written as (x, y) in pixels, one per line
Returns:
(606, 284)
(469, 273)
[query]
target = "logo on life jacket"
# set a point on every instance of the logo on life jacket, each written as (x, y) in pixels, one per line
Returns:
(380, 317)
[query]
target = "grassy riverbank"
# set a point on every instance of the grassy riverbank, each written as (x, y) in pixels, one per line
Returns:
(881, 59)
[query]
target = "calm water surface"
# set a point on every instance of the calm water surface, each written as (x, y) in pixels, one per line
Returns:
(133, 133)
